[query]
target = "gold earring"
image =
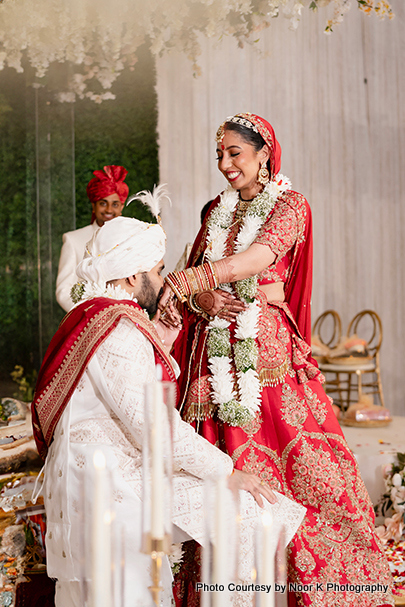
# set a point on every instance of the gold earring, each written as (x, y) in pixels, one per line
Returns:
(263, 176)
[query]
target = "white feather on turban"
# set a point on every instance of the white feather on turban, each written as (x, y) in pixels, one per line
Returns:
(122, 247)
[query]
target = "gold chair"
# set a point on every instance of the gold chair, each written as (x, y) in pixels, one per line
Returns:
(328, 324)
(347, 375)
(328, 330)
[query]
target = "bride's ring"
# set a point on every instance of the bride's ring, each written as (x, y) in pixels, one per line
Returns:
(224, 310)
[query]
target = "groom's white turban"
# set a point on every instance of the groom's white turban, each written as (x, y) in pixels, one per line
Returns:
(122, 247)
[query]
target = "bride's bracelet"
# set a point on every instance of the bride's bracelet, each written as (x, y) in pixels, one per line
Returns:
(193, 280)
(194, 307)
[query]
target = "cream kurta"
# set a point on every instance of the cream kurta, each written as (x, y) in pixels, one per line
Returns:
(72, 253)
(106, 411)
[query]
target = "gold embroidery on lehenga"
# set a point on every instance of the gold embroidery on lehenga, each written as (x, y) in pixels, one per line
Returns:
(313, 467)
(199, 405)
(294, 410)
(273, 377)
(273, 339)
(305, 561)
(318, 408)
(316, 476)
(261, 469)
(253, 426)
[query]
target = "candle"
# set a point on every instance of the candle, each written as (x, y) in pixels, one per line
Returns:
(267, 564)
(157, 519)
(221, 556)
(281, 569)
(101, 536)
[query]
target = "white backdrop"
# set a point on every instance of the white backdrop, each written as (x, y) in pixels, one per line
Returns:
(337, 104)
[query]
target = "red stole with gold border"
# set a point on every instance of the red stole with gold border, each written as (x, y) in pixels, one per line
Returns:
(80, 333)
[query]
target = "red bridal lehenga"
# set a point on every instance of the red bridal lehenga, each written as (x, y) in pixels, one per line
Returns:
(295, 443)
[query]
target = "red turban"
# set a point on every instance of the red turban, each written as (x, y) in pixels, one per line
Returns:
(107, 182)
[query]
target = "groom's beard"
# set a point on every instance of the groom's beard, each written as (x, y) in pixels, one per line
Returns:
(149, 299)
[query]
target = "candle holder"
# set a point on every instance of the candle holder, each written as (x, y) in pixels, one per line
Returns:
(157, 549)
(157, 466)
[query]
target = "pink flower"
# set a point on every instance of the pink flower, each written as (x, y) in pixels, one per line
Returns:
(392, 529)
(395, 525)
(386, 470)
(383, 534)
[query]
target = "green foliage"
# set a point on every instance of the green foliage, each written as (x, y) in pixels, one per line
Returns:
(37, 133)
(26, 383)
(4, 109)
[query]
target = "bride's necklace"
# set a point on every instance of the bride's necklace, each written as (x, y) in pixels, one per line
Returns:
(241, 209)
(244, 353)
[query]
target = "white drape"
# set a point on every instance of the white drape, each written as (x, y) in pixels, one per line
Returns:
(337, 104)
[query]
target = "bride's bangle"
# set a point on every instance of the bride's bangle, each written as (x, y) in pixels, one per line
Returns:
(194, 307)
(193, 280)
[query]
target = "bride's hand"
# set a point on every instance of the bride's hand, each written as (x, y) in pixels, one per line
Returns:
(168, 324)
(167, 312)
(252, 484)
(220, 303)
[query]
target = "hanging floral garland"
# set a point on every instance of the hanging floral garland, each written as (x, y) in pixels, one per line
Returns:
(244, 354)
(101, 37)
(84, 291)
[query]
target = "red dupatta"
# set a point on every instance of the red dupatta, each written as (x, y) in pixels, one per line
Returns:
(73, 345)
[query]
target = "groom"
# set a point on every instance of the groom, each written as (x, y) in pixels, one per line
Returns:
(90, 396)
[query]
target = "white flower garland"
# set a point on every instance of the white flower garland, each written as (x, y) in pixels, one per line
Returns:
(245, 350)
(82, 291)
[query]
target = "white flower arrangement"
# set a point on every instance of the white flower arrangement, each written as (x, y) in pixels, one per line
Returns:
(393, 498)
(176, 558)
(83, 291)
(101, 39)
(239, 364)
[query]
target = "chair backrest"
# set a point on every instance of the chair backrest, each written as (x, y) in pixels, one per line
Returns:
(328, 327)
(369, 324)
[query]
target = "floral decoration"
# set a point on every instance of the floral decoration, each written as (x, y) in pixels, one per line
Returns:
(394, 499)
(82, 291)
(100, 38)
(176, 558)
(239, 363)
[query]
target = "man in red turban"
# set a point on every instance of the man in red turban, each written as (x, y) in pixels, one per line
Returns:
(107, 193)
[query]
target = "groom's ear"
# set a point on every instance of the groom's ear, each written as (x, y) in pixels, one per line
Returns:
(132, 280)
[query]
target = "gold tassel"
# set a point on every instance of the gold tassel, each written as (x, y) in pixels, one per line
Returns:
(273, 377)
(199, 412)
